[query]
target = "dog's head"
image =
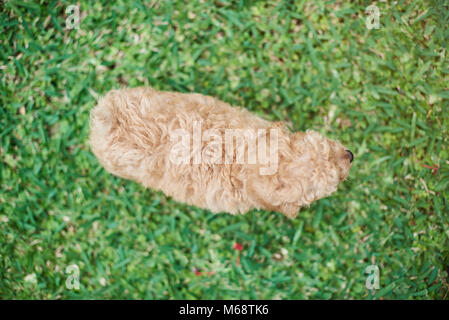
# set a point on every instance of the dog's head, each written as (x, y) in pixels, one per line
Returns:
(311, 167)
(328, 157)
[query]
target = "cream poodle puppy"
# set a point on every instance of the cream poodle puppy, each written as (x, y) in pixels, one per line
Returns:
(204, 152)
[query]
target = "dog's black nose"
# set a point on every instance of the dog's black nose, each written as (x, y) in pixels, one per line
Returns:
(350, 155)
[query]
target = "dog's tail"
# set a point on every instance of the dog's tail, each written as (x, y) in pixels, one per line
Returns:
(109, 123)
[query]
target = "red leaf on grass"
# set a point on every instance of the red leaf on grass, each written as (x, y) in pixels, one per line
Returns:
(239, 248)
(434, 169)
(197, 273)
(201, 273)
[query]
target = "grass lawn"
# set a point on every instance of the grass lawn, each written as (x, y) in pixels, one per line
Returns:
(382, 92)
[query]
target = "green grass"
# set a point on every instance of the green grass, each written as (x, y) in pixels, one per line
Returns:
(383, 93)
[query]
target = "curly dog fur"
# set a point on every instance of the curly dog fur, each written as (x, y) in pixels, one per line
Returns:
(131, 135)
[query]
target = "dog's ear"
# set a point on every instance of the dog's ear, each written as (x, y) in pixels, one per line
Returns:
(275, 193)
(289, 209)
(297, 142)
